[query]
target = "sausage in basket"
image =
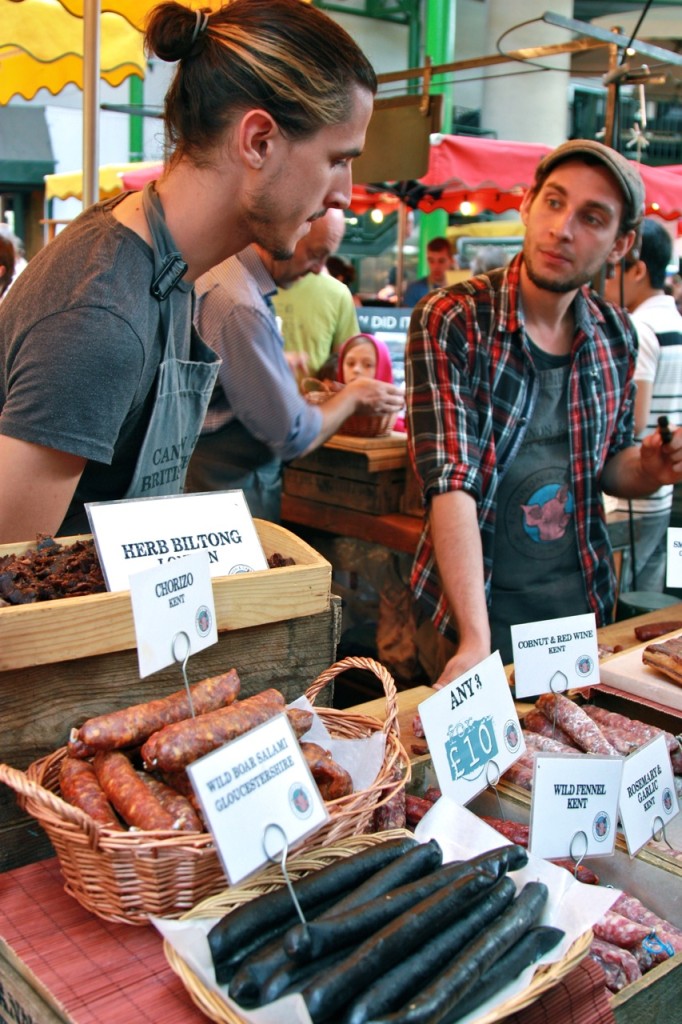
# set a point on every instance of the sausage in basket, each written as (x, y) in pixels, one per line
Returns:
(129, 727)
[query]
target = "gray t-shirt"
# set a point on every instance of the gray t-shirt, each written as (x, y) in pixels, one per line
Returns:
(536, 570)
(79, 353)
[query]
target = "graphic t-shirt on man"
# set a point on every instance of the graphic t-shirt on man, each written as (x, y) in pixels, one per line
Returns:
(536, 570)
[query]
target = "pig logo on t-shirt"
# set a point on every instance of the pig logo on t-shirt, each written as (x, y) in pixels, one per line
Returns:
(548, 514)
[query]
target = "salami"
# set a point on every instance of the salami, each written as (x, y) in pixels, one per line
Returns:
(620, 966)
(619, 930)
(629, 906)
(80, 786)
(640, 732)
(534, 721)
(415, 808)
(392, 813)
(177, 745)
(536, 741)
(128, 793)
(185, 816)
(521, 772)
(129, 727)
(585, 733)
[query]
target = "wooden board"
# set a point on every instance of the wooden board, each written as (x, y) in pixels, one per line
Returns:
(386, 452)
(627, 673)
(77, 627)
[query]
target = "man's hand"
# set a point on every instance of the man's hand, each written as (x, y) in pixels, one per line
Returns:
(461, 662)
(663, 462)
(374, 397)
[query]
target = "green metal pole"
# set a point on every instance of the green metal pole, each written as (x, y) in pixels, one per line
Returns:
(135, 131)
(440, 47)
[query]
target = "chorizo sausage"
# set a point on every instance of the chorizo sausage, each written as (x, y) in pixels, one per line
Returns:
(331, 779)
(128, 793)
(131, 726)
(300, 721)
(652, 630)
(177, 745)
(186, 818)
(80, 787)
(585, 733)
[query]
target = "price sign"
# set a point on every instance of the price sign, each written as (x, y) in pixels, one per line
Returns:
(647, 793)
(472, 730)
(173, 612)
(553, 649)
(574, 806)
(257, 781)
(132, 535)
(673, 576)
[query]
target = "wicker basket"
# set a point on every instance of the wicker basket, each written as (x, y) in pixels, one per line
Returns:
(359, 424)
(128, 876)
(545, 977)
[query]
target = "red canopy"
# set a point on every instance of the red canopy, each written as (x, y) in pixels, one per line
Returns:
(493, 174)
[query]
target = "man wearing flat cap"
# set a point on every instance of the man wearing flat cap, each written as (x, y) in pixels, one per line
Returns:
(520, 415)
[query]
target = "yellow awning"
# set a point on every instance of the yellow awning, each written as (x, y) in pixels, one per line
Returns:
(69, 184)
(136, 11)
(41, 46)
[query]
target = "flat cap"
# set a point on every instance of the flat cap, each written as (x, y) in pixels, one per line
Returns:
(625, 172)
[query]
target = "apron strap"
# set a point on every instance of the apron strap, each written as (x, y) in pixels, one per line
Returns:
(169, 266)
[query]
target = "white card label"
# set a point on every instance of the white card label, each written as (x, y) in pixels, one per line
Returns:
(673, 577)
(472, 730)
(574, 805)
(173, 611)
(647, 793)
(555, 655)
(259, 780)
(134, 535)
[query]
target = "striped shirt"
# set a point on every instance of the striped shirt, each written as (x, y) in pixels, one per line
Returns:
(234, 315)
(471, 391)
(659, 361)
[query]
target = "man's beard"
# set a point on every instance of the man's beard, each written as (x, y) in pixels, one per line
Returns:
(557, 285)
(262, 214)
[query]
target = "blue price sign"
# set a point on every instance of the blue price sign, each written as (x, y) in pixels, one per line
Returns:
(470, 746)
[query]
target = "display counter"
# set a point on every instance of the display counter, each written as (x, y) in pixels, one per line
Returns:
(59, 963)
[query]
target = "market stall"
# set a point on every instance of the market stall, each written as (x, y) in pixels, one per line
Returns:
(33, 983)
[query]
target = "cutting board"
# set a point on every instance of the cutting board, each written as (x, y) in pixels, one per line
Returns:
(627, 673)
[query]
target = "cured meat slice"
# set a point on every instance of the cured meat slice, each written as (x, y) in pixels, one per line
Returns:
(666, 657)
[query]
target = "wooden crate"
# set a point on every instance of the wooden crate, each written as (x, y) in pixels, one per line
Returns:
(362, 473)
(67, 660)
(76, 627)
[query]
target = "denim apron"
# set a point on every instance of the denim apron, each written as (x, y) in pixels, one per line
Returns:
(183, 386)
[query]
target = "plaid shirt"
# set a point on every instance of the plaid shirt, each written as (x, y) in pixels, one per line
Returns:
(471, 392)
